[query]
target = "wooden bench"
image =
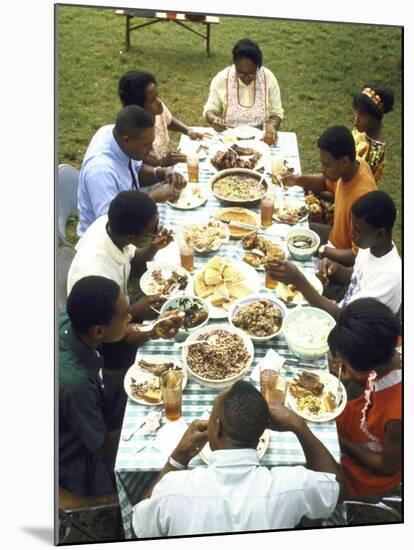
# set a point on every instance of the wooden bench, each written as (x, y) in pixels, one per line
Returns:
(162, 17)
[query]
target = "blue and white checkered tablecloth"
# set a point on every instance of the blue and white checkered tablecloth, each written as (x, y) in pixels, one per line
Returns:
(135, 470)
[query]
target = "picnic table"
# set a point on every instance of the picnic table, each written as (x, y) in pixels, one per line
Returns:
(180, 19)
(134, 470)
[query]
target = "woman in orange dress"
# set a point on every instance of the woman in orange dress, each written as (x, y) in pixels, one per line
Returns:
(370, 428)
(370, 106)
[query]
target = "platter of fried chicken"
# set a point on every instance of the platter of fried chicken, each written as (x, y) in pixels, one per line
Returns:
(252, 155)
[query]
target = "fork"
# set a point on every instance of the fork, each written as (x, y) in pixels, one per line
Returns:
(338, 395)
(129, 435)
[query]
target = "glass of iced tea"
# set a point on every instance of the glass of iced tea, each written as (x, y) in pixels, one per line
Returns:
(192, 167)
(269, 132)
(270, 282)
(272, 386)
(172, 391)
(266, 211)
(186, 255)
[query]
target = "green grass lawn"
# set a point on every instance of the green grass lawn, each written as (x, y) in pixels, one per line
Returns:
(318, 65)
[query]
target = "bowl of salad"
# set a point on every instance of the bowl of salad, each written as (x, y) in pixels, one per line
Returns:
(196, 313)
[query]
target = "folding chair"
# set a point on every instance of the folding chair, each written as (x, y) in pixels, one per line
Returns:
(390, 503)
(68, 180)
(70, 505)
(65, 256)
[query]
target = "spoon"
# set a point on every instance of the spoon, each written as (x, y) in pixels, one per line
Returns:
(211, 340)
(151, 325)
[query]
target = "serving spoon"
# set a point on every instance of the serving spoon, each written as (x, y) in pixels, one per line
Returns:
(211, 341)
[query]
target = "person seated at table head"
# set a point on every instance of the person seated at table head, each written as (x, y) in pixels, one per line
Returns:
(89, 420)
(364, 342)
(244, 93)
(113, 163)
(348, 178)
(370, 105)
(119, 244)
(141, 88)
(377, 271)
(234, 493)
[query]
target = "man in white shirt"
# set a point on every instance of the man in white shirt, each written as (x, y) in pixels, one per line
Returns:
(245, 93)
(118, 244)
(113, 163)
(377, 269)
(234, 493)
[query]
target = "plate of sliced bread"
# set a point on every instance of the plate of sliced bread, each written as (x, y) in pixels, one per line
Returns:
(223, 281)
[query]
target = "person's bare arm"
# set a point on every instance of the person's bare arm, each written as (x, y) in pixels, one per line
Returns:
(318, 458)
(216, 121)
(277, 121)
(178, 126)
(141, 256)
(189, 446)
(148, 175)
(344, 256)
(330, 271)
(314, 182)
(385, 463)
(288, 273)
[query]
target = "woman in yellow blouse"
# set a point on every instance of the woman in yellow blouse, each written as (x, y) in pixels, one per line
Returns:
(370, 106)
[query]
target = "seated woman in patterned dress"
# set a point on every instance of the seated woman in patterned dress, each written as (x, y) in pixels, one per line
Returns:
(370, 106)
(246, 93)
(140, 88)
(370, 429)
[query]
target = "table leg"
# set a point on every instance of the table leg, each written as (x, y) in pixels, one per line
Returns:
(208, 38)
(127, 32)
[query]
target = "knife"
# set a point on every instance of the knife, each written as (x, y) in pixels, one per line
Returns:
(239, 224)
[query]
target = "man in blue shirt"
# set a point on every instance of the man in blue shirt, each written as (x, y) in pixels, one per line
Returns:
(113, 163)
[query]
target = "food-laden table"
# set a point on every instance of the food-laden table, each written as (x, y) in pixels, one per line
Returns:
(134, 470)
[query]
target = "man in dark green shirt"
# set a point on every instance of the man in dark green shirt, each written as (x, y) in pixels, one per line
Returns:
(90, 416)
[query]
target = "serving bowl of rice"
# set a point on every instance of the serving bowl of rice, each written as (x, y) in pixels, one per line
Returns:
(306, 331)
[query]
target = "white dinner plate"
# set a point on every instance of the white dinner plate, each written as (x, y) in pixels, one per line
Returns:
(243, 133)
(251, 279)
(135, 371)
(188, 200)
(146, 280)
(331, 383)
(291, 202)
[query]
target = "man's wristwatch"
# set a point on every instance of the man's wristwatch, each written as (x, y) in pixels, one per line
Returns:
(321, 250)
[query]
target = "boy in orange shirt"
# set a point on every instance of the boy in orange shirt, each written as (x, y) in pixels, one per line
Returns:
(348, 179)
(370, 428)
